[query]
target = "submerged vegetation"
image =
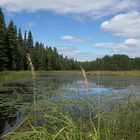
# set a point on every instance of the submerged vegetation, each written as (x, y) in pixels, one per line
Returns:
(100, 73)
(80, 119)
(8, 76)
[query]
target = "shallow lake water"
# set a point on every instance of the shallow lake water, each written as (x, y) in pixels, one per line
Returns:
(17, 96)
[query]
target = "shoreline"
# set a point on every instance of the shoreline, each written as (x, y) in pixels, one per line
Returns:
(101, 73)
(7, 76)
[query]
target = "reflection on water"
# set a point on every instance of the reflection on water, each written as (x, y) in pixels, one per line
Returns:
(14, 98)
(17, 96)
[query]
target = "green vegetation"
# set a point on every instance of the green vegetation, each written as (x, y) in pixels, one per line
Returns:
(68, 119)
(14, 48)
(81, 120)
(100, 73)
(8, 76)
(117, 62)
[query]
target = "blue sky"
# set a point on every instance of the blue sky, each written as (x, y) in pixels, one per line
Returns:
(81, 29)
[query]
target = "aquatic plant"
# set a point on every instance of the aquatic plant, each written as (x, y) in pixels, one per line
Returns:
(69, 119)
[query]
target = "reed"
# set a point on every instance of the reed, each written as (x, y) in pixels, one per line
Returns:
(31, 66)
(85, 77)
(120, 122)
(34, 91)
(69, 119)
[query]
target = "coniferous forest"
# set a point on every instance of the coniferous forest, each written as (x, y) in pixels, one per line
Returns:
(14, 48)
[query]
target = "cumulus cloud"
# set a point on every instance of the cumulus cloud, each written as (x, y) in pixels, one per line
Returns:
(91, 8)
(130, 47)
(72, 52)
(75, 39)
(125, 25)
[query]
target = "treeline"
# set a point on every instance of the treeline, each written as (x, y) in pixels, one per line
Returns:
(14, 48)
(116, 62)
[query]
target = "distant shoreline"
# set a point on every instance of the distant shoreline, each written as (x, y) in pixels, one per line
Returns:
(102, 73)
(7, 76)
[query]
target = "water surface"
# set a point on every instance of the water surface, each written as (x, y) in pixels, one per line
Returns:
(17, 96)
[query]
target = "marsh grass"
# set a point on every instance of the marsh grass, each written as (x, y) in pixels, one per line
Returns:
(69, 119)
(102, 73)
(85, 78)
(77, 120)
(10, 76)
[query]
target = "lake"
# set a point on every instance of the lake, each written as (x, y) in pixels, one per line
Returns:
(17, 96)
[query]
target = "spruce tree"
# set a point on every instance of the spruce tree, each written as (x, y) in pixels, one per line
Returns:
(3, 49)
(25, 41)
(29, 43)
(12, 45)
(50, 57)
(25, 51)
(36, 56)
(21, 50)
(14, 48)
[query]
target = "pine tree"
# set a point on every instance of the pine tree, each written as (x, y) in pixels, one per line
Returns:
(3, 49)
(21, 50)
(56, 59)
(25, 41)
(30, 43)
(42, 54)
(36, 56)
(50, 57)
(29, 47)
(12, 46)
(25, 63)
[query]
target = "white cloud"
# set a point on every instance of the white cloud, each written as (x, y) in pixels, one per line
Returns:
(72, 52)
(113, 46)
(124, 25)
(130, 47)
(75, 39)
(91, 8)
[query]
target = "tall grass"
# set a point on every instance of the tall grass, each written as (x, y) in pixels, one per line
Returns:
(78, 120)
(34, 91)
(69, 119)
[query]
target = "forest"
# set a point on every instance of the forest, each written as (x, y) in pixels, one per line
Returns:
(14, 48)
(117, 62)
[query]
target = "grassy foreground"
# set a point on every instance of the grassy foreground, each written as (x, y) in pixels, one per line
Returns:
(79, 120)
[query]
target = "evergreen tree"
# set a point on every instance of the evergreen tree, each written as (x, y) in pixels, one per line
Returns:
(25, 41)
(21, 50)
(12, 46)
(56, 59)
(3, 49)
(25, 63)
(29, 43)
(29, 47)
(50, 65)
